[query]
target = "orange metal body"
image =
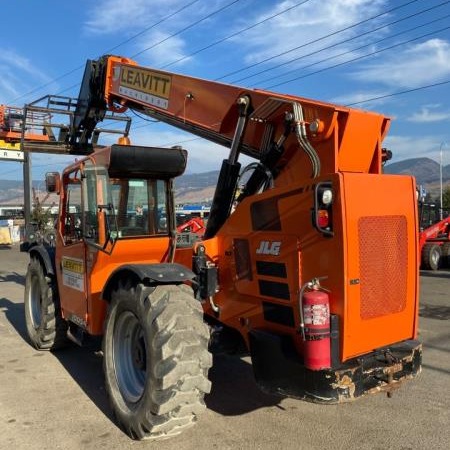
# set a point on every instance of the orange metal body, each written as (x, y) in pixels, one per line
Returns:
(85, 303)
(373, 288)
(11, 133)
(370, 264)
(98, 266)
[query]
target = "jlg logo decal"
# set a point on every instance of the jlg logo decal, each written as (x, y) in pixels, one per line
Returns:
(269, 248)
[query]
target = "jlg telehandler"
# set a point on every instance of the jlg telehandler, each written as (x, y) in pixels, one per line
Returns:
(311, 265)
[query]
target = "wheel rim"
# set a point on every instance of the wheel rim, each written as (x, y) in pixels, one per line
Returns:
(435, 257)
(35, 302)
(129, 353)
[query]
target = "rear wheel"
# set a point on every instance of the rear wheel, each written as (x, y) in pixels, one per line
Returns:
(445, 254)
(46, 328)
(156, 360)
(431, 256)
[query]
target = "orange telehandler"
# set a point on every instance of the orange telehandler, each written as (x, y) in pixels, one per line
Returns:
(311, 266)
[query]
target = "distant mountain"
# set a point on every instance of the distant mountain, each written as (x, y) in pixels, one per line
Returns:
(11, 191)
(199, 187)
(196, 188)
(425, 170)
(197, 180)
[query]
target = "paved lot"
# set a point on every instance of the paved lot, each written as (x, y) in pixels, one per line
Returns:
(57, 401)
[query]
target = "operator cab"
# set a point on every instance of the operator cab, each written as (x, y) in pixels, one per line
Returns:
(105, 199)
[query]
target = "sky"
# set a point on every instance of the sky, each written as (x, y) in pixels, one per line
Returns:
(390, 56)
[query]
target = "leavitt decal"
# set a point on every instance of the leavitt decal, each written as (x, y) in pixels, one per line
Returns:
(144, 85)
(73, 273)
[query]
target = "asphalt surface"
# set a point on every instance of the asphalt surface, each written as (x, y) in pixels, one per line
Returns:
(58, 401)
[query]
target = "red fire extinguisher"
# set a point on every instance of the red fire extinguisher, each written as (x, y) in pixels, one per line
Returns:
(315, 326)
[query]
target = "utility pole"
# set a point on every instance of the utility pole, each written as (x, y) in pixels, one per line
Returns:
(441, 211)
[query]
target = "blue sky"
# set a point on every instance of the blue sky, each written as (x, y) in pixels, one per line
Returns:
(343, 51)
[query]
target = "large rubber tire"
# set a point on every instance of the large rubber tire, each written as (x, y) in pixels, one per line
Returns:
(156, 360)
(46, 328)
(431, 256)
(445, 254)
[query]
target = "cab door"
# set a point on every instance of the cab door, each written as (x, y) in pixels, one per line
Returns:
(87, 226)
(71, 251)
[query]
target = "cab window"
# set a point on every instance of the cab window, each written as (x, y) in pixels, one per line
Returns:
(73, 218)
(140, 206)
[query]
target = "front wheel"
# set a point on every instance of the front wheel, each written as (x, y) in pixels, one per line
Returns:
(46, 328)
(156, 360)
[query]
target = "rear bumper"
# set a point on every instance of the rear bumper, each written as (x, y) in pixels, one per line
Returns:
(278, 370)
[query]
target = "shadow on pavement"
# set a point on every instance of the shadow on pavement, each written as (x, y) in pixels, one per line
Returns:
(437, 274)
(15, 314)
(13, 277)
(229, 375)
(436, 369)
(234, 390)
(434, 312)
(84, 364)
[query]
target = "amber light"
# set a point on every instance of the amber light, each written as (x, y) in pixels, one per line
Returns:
(323, 219)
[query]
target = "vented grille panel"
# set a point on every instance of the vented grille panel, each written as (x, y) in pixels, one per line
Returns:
(383, 248)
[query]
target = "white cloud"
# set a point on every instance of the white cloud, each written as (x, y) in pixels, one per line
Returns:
(113, 16)
(8, 84)
(429, 113)
(18, 62)
(307, 23)
(160, 54)
(406, 147)
(19, 75)
(418, 65)
(357, 97)
(131, 17)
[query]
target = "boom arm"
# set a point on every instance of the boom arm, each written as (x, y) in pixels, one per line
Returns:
(297, 136)
(211, 110)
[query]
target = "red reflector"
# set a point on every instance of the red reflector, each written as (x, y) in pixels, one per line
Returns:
(323, 220)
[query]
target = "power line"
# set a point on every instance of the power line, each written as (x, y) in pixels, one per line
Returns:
(159, 22)
(357, 58)
(344, 41)
(42, 86)
(235, 34)
(217, 11)
(361, 47)
(314, 41)
(393, 94)
(165, 18)
(146, 119)
(34, 166)
(172, 35)
(407, 91)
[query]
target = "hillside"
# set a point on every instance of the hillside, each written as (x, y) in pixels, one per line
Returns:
(425, 170)
(199, 187)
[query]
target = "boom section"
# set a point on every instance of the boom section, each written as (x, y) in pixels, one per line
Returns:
(211, 110)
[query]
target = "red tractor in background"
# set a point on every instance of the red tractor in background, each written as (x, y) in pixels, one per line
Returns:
(434, 237)
(193, 225)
